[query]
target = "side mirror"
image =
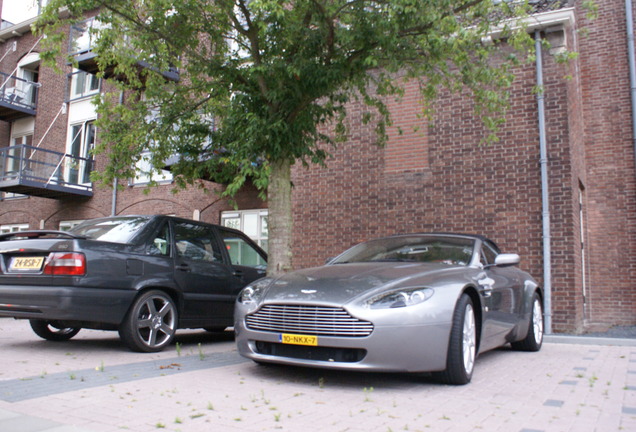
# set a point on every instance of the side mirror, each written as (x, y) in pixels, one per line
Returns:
(503, 260)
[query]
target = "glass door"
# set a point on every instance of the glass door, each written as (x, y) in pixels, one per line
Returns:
(79, 166)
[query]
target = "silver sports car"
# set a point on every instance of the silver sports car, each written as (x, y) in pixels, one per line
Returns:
(407, 303)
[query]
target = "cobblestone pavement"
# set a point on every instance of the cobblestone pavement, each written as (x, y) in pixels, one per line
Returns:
(94, 384)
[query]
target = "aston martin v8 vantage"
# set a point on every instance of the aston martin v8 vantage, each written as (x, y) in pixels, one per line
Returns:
(406, 303)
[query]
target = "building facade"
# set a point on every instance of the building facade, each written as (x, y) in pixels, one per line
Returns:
(435, 176)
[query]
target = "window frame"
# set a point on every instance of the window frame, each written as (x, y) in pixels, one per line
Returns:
(10, 228)
(262, 236)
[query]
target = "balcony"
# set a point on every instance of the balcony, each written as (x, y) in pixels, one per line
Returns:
(44, 173)
(18, 97)
(82, 41)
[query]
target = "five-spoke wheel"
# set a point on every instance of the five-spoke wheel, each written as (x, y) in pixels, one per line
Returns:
(462, 347)
(150, 323)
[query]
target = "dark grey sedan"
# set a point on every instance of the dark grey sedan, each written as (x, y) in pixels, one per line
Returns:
(408, 303)
(144, 276)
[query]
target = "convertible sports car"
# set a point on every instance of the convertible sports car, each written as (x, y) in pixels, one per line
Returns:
(407, 303)
(145, 276)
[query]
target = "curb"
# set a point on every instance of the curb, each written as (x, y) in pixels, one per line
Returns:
(589, 340)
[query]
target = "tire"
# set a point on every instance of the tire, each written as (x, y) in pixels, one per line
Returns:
(462, 346)
(52, 330)
(534, 337)
(151, 322)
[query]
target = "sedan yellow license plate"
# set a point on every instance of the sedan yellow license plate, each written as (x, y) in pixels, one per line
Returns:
(294, 339)
(26, 263)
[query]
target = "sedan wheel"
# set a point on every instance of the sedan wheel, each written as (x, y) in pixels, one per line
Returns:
(151, 322)
(52, 330)
(462, 348)
(534, 337)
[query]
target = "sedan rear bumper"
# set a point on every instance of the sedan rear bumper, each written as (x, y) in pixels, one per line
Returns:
(65, 303)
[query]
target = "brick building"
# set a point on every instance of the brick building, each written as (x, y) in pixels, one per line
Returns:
(434, 176)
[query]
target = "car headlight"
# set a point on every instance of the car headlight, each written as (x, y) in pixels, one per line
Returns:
(253, 293)
(400, 298)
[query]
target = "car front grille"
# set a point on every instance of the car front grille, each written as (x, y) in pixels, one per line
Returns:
(326, 354)
(312, 320)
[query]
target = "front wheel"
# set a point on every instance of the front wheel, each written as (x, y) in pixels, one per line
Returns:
(151, 322)
(52, 330)
(534, 337)
(462, 347)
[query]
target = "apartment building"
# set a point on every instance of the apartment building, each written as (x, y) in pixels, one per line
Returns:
(47, 132)
(559, 187)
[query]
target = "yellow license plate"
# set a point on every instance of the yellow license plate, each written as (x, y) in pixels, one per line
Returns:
(26, 263)
(294, 339)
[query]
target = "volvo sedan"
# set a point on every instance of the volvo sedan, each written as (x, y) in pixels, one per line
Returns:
(145, 276)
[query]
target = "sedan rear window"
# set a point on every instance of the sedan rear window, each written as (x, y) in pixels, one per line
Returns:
(447, 250)
(115, 230)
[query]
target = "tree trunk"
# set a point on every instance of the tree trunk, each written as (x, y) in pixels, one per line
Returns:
(281, 224)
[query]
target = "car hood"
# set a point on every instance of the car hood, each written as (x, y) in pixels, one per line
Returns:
(341, 283)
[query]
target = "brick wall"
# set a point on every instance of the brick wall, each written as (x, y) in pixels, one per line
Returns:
(611, 185)
(447, 181)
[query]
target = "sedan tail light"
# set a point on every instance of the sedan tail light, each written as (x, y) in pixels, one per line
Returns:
(66, 264)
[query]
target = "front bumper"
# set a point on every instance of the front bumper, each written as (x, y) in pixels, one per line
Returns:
(406, 346)
(65, 303)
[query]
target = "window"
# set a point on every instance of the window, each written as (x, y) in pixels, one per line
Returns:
(241, 252)
(145, 174)
(196, 242)
(161, 243)
(67, 225)
(83, 84)
(82, 142)
(252, 222)
(13, 155)
(114, 230)
(84, 34)
(5, 229)
(12, 162)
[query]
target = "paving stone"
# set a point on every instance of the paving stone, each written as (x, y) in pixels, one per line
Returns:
(510, 391)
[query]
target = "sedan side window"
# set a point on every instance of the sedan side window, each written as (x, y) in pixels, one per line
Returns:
(161, 243)
(196, 242)
(241, 252)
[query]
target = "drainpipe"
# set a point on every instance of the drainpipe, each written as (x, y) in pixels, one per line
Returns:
(632, 66)
(545, 202)
(113, 205)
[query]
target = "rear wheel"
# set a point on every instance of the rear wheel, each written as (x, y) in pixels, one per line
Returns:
(151, 322)
(52, 330)
(534, 337)
(462, 347)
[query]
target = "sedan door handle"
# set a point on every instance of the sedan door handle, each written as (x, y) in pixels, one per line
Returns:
(183, 267)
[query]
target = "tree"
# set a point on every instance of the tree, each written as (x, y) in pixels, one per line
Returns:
(264, 84)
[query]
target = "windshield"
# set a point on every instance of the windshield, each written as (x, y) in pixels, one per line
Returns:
(437, 249)
(115, 230)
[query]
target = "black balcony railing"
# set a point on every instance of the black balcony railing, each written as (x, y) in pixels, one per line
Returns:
(82, 42)
(18, 97)
(44, 173)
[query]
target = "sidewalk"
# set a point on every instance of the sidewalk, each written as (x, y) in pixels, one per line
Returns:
(94, 385)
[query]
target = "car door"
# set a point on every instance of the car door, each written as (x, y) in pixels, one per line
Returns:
(248, 261)
(501, 291)
(203, 273)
